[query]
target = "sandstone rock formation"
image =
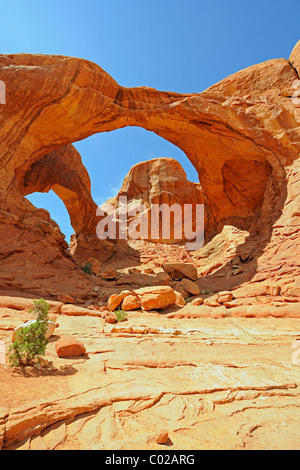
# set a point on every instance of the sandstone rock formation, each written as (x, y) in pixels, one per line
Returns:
(221, 372)
(157, 182)
(295, 58)
(153, 298)
(147, 298)
(62, 171)
(242, 136)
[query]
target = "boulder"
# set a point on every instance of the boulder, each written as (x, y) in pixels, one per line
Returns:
(111, 317)
(66, 299)
(103, 308)
(143, 279)
(293, 290)
(272, 289)
(178, 288)
(130, 302)
(198, 301)
(180, 302)
(155, 298)
(257, 289)
(149, 271)
(49, 332)
(190, 286)
(115, 300)
(224, 297)
(181, 270)
(212, 302)
(69, 346)
(109, 274)
(161, 279)
(162, 437)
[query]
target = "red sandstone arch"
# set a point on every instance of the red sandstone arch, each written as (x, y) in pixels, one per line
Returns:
(242, 134)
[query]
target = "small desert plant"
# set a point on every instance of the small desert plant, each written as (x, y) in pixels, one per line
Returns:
(121, 315)
(30, 342)
(41, 309)
(87, 268)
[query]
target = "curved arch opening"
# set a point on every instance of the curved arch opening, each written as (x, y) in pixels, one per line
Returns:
(56, 208)
(109, 156)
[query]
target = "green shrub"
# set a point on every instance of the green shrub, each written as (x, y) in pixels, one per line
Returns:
(41, 310)
(121, 315)
(30, 342)
(87, 268)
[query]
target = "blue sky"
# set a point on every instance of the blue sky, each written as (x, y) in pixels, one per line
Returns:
(178, 45)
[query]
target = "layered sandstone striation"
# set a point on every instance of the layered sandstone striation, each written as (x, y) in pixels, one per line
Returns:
(242, 136)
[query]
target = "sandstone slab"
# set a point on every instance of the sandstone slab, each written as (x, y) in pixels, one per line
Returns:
(115, 300)
(190, 286)
(79, 311)
(181, 270)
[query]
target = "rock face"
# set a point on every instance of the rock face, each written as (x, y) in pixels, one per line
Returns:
(211, 384)
(242, 136)
(295, 58)
(62, 171)
(156, 182)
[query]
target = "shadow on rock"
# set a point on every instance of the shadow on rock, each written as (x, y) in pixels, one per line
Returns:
(49, 370)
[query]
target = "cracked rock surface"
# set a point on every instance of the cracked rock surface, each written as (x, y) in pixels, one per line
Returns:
(230, 383)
